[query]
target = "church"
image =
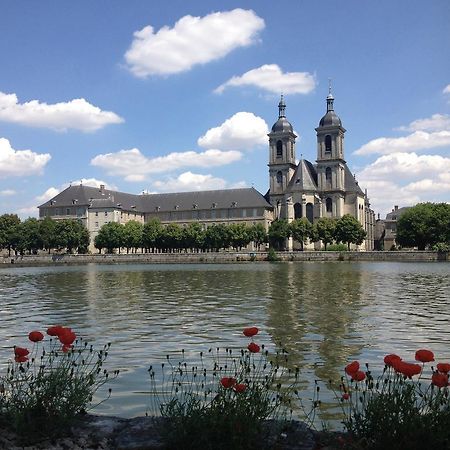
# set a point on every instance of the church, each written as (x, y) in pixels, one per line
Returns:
(324, 189)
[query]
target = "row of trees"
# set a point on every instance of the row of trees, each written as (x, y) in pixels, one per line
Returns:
(32, 235)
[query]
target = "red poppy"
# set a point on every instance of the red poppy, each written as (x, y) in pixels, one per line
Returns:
(55, 330)
(249, 332)
(407, 369)
(424, 356)
(443, 367)
(439, 379)
(240, 387)
(389, 360)
(20, 359)
(35, 336)
(19, 351)
(358, 375)
(228, 382)
(345, 396)
(254, 348)
(66, 348)
(67, 337)
(351, 368)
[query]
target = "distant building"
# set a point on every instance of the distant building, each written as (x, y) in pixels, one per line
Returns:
(297, 189)
(386, 230)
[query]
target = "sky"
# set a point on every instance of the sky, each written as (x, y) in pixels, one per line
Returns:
(173, 96)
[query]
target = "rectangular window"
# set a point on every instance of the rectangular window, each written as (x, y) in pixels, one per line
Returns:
(244, 213)
(96, 224)
(68, 212)
(213, 214)
(96, 213)
(106, 213)
(224, 214)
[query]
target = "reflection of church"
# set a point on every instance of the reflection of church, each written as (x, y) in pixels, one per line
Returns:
(324, 189)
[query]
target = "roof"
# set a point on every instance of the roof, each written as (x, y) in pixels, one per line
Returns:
(396, 213)
(330, 119)
(305, 177)
(98, 198)
(351, 185)
(282, 125)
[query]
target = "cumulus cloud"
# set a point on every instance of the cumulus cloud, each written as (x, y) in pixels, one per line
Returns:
(7, 192)
(134, 166)
(437, 122)
(242, 131)
(270, 77)
(75, 114)
(191, 41)
(16, 163)
(189, 181)
(446, 89)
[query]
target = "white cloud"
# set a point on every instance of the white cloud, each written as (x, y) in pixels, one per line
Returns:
(429, 186)
(189, 181)
(419, 140)
(7, 192)
(192, 40)
(271, 78)
(76, 114)
(446, 89)
(437, 122)
(20, 162)
(27, 211)
(134, 166)
(242, 131)
(48, 194)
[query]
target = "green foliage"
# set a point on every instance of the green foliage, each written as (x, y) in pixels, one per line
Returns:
(349, 230)
(217, 237)
(132, 235)
(258, 235)
(239, 235)
(425, 224)
(193, 236)
(337, 248)
(110, 236)
(279, 231)
(272, 255)
(30, 236)
(326, 228)
(151, 234)
(44, 395)
(9, 231)
(47, 232)
(441, 247)
(70, 234)
(302, 230)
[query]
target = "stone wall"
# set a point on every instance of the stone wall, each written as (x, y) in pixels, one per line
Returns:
(221, 257)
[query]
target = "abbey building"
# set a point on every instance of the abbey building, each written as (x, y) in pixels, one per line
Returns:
(296, 189)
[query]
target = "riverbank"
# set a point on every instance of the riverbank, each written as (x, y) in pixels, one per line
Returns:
(219, 257)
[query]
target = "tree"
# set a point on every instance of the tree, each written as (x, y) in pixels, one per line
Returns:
(30, 234)
(349, 231)
(193, 236)
(239, 235)
(258, 235)
(423, 225)
(132, 235)
(70, 234)
(110, 236)
(326, 228)
(9, 227)
(279, 231)
(301, 230)
(47, 232)
(171, 236)
(217, 237)
(151, 234)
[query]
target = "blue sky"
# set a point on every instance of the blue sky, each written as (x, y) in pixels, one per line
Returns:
(171, 96)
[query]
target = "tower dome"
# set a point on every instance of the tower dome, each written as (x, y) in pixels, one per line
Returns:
(282, 124)
(330, 119)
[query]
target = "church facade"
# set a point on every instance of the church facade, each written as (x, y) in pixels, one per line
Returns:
(296, 189)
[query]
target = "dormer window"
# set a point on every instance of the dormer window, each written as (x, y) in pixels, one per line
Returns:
(214, 205)
(176, 207)
(52, 202)
(233, 204)
(74, 201)
(157, 208)
(194, 206)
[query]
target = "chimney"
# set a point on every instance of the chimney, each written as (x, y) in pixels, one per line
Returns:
(396, 207)
(102, 189)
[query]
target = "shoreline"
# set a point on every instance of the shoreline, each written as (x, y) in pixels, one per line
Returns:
(57, 259)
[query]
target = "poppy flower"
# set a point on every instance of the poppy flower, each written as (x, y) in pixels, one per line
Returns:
(228, 382)
(19, 351)
(240, 387)
(20, 359)
(66, 348)
(67, 337)
(424, 356)
(254, 348)
(439, 379)
(35, 336)
(389, 360)
(251, 331)
(351, 368)
(358, 375)
(55, 330)
(443, 367)
(407, 369)
(345, 396)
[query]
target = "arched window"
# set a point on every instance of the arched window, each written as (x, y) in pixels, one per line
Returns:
(279, 149)
(279, 177)
(297, 211)
(329, 204)
(328, 143)
(310, 212)
(328, 176)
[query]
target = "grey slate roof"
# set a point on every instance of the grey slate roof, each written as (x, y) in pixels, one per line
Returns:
(282, 125)
(94, 197)
(351, 184)
(395, 214)
(305, 177)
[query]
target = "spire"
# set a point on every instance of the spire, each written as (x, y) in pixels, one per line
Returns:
(330, 98)
(281, 108)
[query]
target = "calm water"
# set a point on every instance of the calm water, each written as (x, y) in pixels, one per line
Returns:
(325, 314)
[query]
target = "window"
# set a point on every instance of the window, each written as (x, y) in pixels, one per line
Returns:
(329, 204)
(292, 150)
(279, 149)
(297, 211)
(96, 213)
(279, 177)
(310, 212)
(96, 224)
(328, 176)
(328, 143)
(67, 211)
(106, 213)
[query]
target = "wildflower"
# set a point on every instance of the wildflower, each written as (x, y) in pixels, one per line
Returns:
(35, 336)
(20, 359)
(345, 396)
(240, 387)
(358, 375)
(439, 379)
(389, 360)
(407, 369)
(254, 348)
(55, 330)
(67, 336)
(424, 356)
(351, 368)
(443, 367)
(20, 352)
(228, 382)
(251, 331)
